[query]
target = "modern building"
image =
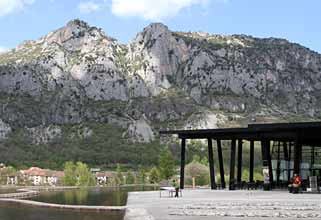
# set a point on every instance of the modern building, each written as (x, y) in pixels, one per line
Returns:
(286, 148)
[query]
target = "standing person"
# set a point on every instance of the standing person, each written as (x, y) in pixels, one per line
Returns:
(175, 185)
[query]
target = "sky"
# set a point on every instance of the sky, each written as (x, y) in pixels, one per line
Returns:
(298, 21)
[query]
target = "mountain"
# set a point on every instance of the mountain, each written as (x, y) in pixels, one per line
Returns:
(77, 94)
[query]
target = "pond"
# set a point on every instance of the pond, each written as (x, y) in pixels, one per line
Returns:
(101, 196)
(22, 212)
(7, 190)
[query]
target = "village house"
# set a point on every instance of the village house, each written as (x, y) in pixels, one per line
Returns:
(103, 177)
(38, 176)
(53, 177)
(12, 180)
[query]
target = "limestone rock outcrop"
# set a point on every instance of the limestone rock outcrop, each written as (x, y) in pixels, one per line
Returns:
(160, 79)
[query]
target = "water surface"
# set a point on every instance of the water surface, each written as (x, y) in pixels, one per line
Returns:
(98, 196)
(88, 196)
(7, 190)
(22, 212)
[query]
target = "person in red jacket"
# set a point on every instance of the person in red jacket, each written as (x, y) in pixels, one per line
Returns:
(297, 180)
(296, 184)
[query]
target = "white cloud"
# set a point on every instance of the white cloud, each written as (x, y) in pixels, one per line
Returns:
(10, 6)
(152, 9)
(3, 50)
(88, 7)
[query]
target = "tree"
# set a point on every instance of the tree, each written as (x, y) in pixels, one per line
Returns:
(258, 175)
(6, 172)
(204, 161)
(245, 174)
(199, 171)
(130, 178)
(141, 175)
(77, 175)
(70, 177)
(195, 147)
(154, 176)
(166, 164)
(84, 176)
(119, 175)
(196, 158)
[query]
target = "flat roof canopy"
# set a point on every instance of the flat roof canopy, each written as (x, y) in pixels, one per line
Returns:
(308, 133)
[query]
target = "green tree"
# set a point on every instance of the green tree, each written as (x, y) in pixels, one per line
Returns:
(196, 158)
(166, 164)
(141, 175)
(130, 178)
(204, 161)
(119, 175)
(258, 175)
(84, 176)
(5, 172)
(245, 174)
(70, 177)
(77, 175)
(199, 171)
(154, 176)
(195, 147)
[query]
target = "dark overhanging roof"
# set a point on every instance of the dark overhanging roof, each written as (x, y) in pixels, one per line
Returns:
(293, 125)
(307, 132)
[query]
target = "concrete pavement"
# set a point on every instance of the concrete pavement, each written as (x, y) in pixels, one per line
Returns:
(220, 204)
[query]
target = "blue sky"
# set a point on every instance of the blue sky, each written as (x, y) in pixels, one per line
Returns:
(296, 20)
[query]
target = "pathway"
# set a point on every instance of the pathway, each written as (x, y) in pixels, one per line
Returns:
(226, 205)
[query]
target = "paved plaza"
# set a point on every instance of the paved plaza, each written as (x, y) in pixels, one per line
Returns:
(220, 204)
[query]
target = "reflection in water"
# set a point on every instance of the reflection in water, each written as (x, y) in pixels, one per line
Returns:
(21, 212)
(69, 196)
(7, 190)
(90, 196)
(81, 196)
(78, 197)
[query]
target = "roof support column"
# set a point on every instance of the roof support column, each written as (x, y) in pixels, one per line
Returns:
(285, 150)
(312, 160)
(289, 162)
(251, 161)
(268, 145)
(239, 162)
(266, 157)
(220, 159)
(285, 154)
(278, 165)
(211, 163)
(297, 155)
(232, 165)
(183, 143)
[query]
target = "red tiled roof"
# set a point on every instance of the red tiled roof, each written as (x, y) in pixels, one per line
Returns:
(36, 171)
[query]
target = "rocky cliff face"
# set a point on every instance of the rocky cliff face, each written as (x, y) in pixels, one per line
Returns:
(161, 79)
